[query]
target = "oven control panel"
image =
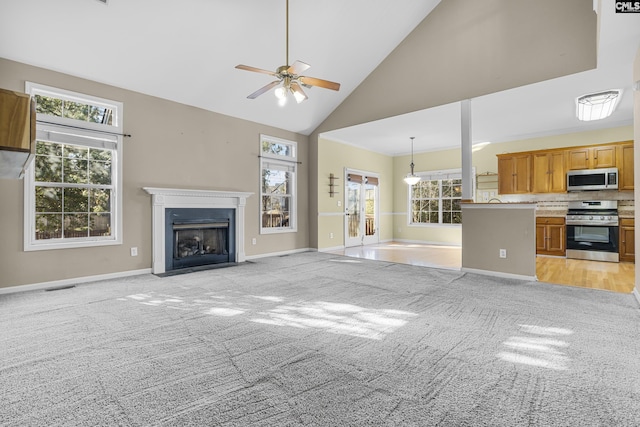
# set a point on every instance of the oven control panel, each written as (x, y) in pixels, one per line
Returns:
(604, 220)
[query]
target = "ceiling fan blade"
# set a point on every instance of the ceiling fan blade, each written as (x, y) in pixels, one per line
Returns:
(312, 81)
(298, 67)
(254, 69)
(264, 89)
(298, 93)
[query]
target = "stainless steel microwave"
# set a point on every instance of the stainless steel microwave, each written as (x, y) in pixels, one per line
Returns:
(592, 179)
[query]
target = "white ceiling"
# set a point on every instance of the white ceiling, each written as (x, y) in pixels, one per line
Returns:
(186, 51)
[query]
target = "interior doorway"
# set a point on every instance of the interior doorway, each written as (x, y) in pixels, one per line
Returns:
(361, 208)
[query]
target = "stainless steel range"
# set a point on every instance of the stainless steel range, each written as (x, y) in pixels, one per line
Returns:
(592, 230)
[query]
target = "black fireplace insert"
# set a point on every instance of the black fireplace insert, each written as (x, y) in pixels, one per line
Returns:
(197, 237)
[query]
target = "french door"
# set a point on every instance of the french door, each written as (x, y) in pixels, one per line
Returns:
(361, 209)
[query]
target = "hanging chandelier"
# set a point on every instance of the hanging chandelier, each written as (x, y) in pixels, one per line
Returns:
(411, 178)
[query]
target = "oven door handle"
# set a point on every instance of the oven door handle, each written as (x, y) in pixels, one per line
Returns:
(593, 223)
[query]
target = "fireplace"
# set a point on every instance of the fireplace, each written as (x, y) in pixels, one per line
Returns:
(196, 237)
(196, 227)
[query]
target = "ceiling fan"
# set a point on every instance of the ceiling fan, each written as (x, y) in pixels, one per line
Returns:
(290, 78)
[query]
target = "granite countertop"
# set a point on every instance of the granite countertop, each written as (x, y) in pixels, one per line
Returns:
(551, 212)
(626, 213)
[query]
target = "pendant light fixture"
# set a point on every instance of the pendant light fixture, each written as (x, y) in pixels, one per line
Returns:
(411, 178)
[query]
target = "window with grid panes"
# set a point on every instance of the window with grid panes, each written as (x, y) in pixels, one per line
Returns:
(72, 188)
(436, 198)
(278, 168)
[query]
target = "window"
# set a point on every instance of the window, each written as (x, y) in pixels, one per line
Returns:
(73, 186)
(436, 198)
(278, 166)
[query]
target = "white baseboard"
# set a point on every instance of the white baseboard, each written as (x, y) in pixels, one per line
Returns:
(335, 248)
(636, 292)
(294, 251)
(500, 274)
(73, 281)
(429, 243)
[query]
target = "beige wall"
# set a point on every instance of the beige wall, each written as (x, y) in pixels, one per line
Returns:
(464, 49)
(334, 157)
(489, 228)
(636, 132)
(172, 145)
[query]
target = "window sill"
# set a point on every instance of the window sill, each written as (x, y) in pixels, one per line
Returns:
(28, 246)
(278, 230)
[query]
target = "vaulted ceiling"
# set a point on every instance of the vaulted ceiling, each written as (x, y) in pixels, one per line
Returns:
(186, 52)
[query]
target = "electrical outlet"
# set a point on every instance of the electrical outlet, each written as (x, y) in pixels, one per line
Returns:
(331, 235)
(134, 251)
(253, 241)
(503, 253)
(339, 203)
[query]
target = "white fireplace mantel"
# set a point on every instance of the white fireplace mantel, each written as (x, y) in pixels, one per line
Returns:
(163, 198)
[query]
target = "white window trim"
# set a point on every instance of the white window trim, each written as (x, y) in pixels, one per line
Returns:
(432, 175)
(30, 242)
(284, 160)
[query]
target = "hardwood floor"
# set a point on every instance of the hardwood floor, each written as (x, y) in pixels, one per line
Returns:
(610, 276)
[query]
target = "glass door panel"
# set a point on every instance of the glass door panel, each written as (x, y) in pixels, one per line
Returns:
(370, 218)
(361, 210)
(352, 211)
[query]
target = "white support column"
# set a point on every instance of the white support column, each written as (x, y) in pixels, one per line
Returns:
(240, 255)
(157, 218)
(465, 149)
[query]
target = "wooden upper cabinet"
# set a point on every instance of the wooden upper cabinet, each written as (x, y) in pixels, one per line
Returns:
(591, 157)
(625, 166)
(17, 133)
(514, 173)
(545, 171)
(549, 172)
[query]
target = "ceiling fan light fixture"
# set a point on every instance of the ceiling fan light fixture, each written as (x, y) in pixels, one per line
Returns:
(281, 93)
(411, 178)
(290, 76)
(597, 106)
(299, 97)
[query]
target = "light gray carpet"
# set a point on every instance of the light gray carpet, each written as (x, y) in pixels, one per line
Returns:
(320, 340)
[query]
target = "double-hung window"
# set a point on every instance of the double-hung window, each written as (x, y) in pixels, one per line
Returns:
(278, 167)
(73, 186)
(436, 198)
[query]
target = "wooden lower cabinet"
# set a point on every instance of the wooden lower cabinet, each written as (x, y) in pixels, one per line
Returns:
(627, 240)
(550, 236)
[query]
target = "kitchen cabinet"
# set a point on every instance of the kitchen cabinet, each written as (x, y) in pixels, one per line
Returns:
(550, 236)
(514, 173)
(625, 166)
(591, 157)
(549, 172)
(17, 133)
(627, 239)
